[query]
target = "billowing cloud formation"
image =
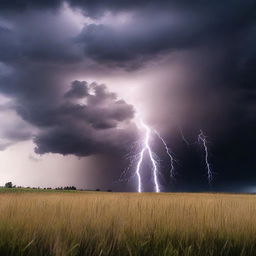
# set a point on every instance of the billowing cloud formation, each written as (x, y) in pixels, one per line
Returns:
(86, 119)
(78, 90)
(98, 124)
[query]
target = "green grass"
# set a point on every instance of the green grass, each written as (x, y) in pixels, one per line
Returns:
(97, 223)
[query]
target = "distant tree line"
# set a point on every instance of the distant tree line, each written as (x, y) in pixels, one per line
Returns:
(66, 188)
(10, 185)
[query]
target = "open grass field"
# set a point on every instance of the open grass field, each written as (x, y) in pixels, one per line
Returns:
(97, 223)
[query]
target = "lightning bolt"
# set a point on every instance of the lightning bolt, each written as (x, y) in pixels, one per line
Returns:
(138, 170)
(168, 152)
(132, 158)
(202, 140)
(146, 148)
(182, 136)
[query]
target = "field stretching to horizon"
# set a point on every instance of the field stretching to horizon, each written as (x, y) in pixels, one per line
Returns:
(98, 223)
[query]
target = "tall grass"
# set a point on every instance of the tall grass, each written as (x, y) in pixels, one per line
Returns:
(88, 223)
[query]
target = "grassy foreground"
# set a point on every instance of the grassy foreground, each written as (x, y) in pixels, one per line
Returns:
(89, 223)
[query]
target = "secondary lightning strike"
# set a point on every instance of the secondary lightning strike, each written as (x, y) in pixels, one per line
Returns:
(131, 157)
(202, 140)
(168, 152)
(182, 136)
(147, 148)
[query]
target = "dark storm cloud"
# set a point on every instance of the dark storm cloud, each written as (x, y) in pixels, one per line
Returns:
(92, 7)
(151, 32)
(33, 75)
(81, 129)
(39, 53)
(97, 7)
(27, 4)
(77, 139)
(8, 46)
(37, 37)
(17, 134)
(143, 37)
(79, 89)
(169, 26)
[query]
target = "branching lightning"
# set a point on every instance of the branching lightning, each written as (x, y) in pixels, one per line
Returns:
(132, 158)
(202, 140)
(168, 152)
(146, 148)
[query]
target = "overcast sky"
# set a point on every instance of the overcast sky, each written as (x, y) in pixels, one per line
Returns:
(76, 75)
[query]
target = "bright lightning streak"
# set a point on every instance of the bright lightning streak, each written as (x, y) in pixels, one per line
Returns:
(168, 152)
(202, 140)
(138, 169)
(147, 148)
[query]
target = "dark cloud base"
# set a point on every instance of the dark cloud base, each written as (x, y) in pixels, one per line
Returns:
(84, 128)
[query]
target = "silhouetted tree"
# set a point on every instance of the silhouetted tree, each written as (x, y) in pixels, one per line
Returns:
(8, 185)
(70, 188)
